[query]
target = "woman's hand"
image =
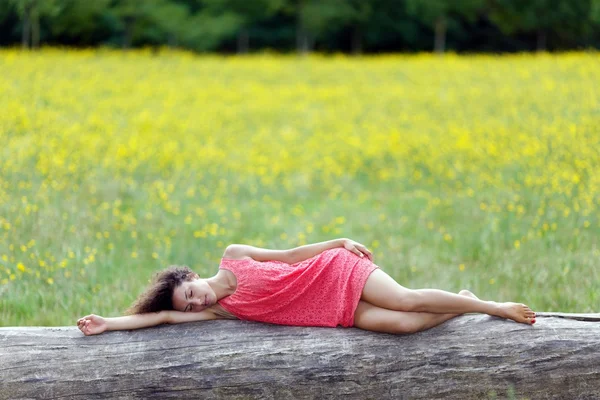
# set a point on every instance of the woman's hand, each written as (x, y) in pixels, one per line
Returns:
(91, 324)
(357, 249)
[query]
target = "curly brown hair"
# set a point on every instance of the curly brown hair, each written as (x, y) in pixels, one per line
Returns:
(159, 295)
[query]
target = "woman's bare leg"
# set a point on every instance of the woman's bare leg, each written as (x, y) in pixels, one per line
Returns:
(383, 291)
(373, 318)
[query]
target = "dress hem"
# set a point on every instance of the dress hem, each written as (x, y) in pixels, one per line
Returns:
(362, 284)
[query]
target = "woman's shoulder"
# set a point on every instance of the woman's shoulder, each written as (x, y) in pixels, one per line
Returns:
(232, 255)
(236, 252)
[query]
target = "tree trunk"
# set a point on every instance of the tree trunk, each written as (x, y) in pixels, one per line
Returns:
(35, 26)
(172, 41)
(541, 40)
(440, 35)
(357, 47)
(25, 34)
(243, 41)
(128, 34)
(472, 356)
(303, 41)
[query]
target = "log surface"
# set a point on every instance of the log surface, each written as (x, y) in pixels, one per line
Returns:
(472, 356)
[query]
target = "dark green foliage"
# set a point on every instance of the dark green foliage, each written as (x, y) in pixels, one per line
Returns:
(566, 22)
(305, 25)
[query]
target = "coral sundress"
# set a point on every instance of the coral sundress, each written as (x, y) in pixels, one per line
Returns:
(323, 290)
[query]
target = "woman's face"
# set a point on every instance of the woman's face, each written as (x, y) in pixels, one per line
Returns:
(193, 296)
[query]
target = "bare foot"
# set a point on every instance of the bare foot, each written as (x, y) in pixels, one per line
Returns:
(517, 312)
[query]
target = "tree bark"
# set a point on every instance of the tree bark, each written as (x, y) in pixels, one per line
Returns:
(472, 356)
(128, 33)
(35, 26)
(357, 47)
(26, 32)
(172, 41)
(243, 41)
(303, 41)
(541, 40)
(440, 35)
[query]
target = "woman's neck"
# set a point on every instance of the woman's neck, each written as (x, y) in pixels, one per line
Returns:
(222, 284)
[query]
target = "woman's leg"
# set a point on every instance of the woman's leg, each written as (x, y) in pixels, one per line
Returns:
(373, 318)
(383, 291)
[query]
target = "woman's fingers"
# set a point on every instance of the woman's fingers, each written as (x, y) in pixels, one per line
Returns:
(84, 324)
(366, 251)
(87, 318)
(364, 248)
(357, 252)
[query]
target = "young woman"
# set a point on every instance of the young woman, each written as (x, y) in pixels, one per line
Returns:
(323, 284)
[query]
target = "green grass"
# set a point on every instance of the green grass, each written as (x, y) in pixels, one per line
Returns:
(476, 173)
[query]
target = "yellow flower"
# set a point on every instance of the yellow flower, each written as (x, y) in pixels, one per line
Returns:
(181, 175)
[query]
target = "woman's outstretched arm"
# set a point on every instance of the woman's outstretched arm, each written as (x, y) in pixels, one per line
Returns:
(296, 254)
(95, 324)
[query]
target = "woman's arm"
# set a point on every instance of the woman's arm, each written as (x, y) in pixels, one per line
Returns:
(307, 251)
(297, 254)
(95, 324)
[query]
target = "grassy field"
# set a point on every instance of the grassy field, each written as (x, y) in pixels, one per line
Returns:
(478, 172)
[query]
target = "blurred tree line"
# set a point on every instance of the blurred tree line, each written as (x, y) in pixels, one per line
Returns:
(305, 25)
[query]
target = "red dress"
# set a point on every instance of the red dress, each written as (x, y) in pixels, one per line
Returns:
(321, 291)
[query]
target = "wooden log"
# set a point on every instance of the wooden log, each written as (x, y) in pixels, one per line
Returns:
(469, 357)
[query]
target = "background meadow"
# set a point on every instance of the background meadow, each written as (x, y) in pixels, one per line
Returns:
(477, 172)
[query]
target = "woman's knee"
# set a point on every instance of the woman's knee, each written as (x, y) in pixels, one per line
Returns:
(410, 300)
(406, 326)
(373, 318)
